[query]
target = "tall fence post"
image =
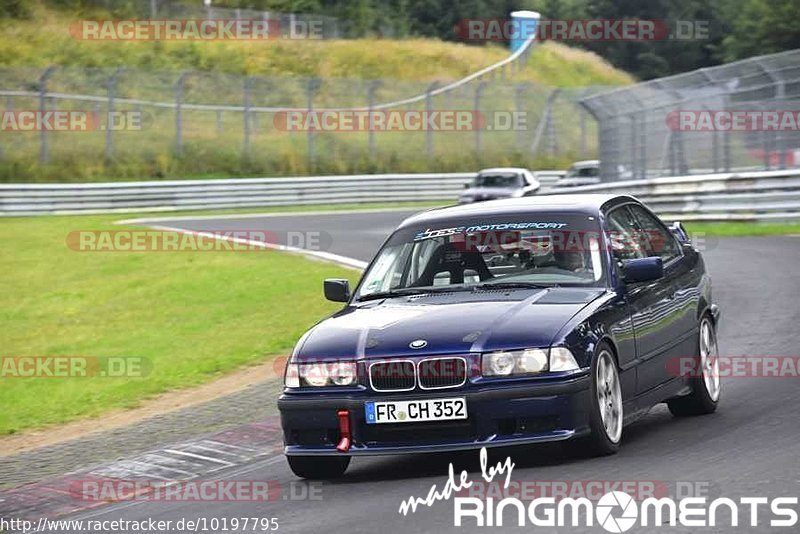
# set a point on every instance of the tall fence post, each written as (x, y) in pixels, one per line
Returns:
(373, 87)
(246, 116)
(519, 107)
(582, 125)
(42, 89)
(179, 86)
(111, 89)
(545, 124)
(428, 110)
(478, 92)
(313, 87)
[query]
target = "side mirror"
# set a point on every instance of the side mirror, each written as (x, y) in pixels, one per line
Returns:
(466, 186)
(680, 232)
(337, 290)
(643, 269)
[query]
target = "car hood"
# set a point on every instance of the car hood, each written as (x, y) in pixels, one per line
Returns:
(449, 323)
(489, 191)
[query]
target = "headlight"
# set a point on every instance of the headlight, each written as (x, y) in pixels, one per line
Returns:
(514, 362)
(498, 364)
(528, 361)
(343, 373)
(321, 374)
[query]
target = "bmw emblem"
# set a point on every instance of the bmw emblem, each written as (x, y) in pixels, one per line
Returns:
(418, 344)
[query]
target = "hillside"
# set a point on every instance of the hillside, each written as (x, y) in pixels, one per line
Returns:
(213, 145)
(45, 40)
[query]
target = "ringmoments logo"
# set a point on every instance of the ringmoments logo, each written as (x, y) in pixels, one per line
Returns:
(615, 511)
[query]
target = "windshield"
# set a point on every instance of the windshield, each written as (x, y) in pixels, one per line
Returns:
(583, 172)
(522, 250)
(498, 180)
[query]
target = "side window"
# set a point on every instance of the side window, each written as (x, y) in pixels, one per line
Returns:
(623, 235)
(655, 237)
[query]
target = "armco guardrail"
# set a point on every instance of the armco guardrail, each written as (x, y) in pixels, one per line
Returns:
(176, 195)
(121, 197)
(745, 196)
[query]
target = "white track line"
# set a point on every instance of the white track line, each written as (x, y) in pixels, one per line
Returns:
(344, 261)
(149, 220)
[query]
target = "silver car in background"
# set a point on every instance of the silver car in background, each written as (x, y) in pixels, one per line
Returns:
(501, 182)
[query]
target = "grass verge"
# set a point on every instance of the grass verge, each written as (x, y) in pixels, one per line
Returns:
(734, 229)
(191, 316)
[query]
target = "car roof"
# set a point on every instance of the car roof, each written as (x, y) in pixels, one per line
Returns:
(587, 163)
(588, 204)
(503, 169)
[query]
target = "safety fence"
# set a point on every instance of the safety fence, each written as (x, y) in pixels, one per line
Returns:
(732, 117)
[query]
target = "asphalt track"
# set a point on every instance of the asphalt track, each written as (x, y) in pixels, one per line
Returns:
(750, 447)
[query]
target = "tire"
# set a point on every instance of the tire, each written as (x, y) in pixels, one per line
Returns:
(705, 382)
(318, 467)
(605, 412)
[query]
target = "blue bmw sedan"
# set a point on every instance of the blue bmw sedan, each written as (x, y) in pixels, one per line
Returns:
(503, 323)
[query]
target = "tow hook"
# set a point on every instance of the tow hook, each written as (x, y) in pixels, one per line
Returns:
(344, 431)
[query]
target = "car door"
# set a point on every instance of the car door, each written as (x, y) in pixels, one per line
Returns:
(649, 302)
(679, 327)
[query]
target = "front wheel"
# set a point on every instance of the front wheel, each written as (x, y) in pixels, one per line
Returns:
(706, 386)
(318, 467)
(605, 412)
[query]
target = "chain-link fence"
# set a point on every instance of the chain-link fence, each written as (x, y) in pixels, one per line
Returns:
(739, 116)
(190, 123)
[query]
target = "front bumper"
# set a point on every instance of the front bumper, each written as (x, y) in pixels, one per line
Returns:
(509, 413)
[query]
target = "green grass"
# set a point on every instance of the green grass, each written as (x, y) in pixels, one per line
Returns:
(192, 316)
(733, 229)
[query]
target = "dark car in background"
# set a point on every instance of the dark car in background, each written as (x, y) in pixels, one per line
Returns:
(503, 323)
(501, 182)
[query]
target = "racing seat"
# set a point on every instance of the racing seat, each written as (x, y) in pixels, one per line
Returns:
(447, 258)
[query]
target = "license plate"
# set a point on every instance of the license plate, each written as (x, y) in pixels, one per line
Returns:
(415, 411)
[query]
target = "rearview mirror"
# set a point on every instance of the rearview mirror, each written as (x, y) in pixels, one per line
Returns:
(643, 269)
(337, 290)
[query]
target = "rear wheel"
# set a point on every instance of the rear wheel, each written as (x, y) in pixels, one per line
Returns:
(318, 467)
(706, 386)
(605, 412)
